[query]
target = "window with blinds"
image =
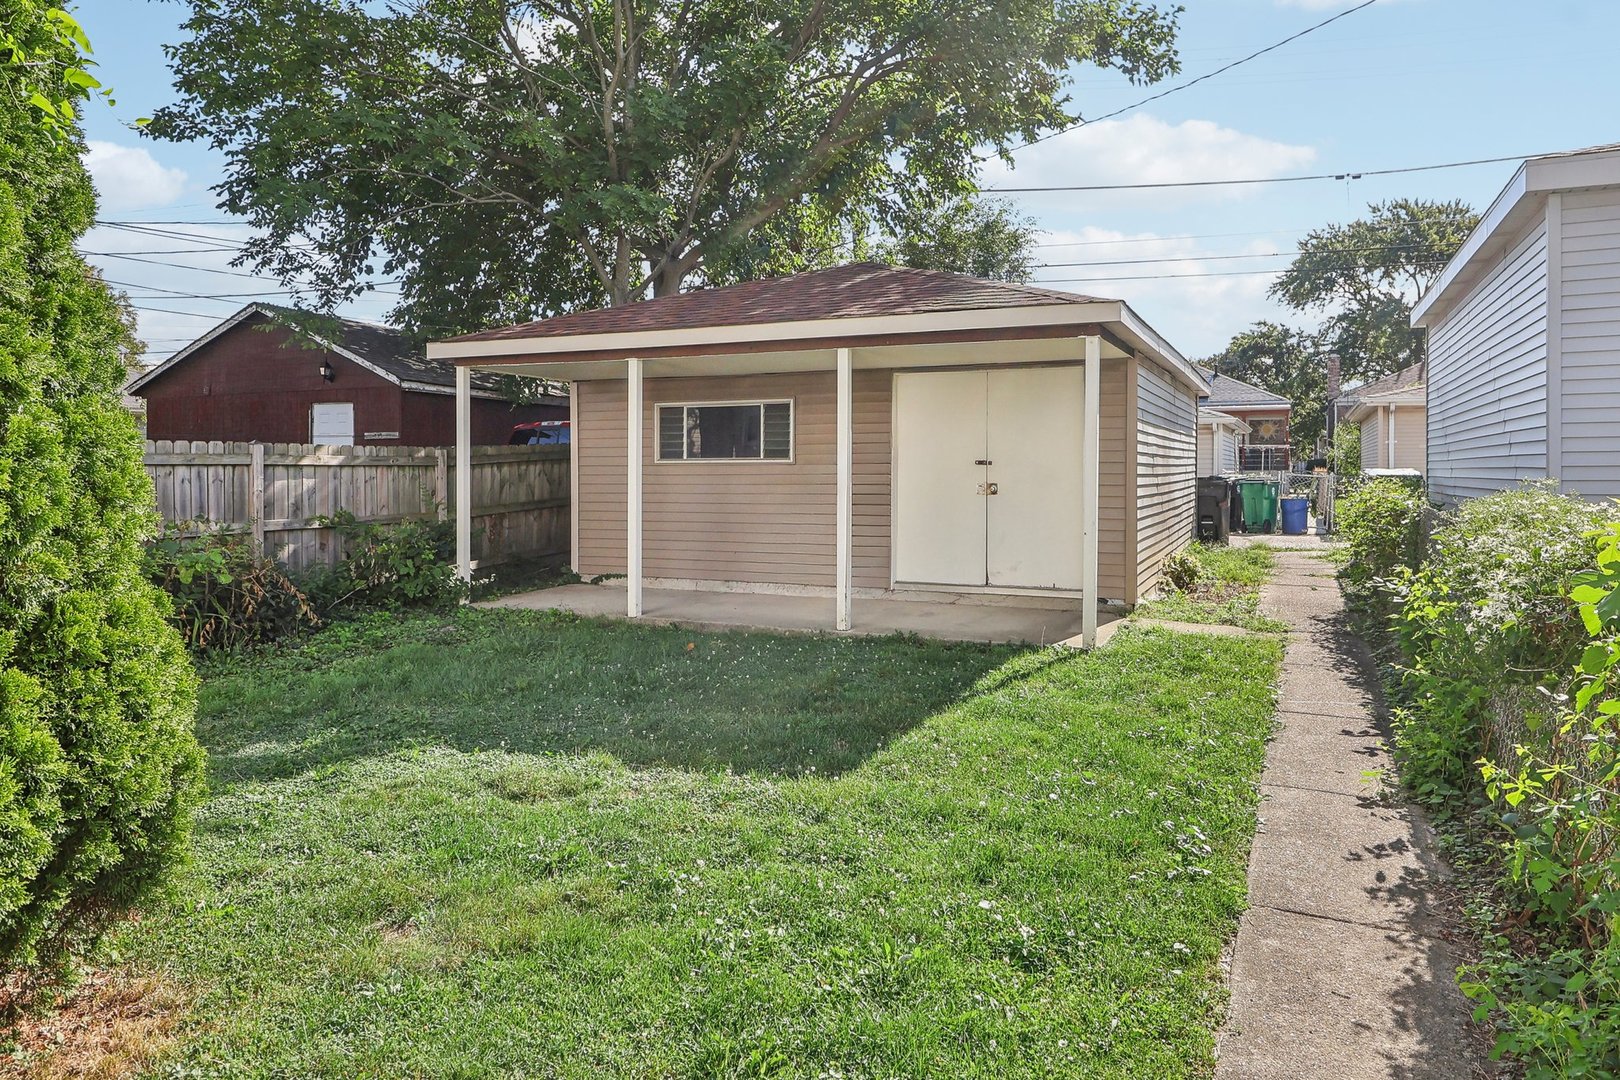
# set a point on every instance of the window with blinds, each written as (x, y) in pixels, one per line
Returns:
(726, 431)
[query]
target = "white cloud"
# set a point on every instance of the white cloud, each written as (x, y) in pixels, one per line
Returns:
(1143, 149)
(130, 178)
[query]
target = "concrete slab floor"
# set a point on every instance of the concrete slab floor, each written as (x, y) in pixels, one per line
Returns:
(945, 616)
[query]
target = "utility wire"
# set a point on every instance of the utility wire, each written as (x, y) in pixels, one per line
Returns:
(1083, 121)
(1357, 175)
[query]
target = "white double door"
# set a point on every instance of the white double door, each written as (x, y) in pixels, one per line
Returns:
(987, 477)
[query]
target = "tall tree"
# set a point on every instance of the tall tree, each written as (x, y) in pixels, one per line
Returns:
(984, 238)
(1365, 276)
(1285, 361)
(99, 767)
(513, 158)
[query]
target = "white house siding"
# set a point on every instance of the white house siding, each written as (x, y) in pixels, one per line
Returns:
(1166, 471)
(1206, 450)
(1487, 385)
(1589, 462)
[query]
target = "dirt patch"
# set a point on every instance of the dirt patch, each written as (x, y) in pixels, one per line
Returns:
(110, 1025)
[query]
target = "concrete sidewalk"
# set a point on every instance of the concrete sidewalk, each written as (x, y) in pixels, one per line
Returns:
(1340, 968)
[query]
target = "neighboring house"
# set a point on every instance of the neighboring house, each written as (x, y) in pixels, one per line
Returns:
(251, 379)
(1524, 336)
(868, 428)
(1391, 414)
(135, 406)
(1265, 446)
(1219, 437)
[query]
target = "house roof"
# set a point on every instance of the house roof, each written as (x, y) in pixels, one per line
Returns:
(1215, 417)
(1226, 392)
(382, 350)
(1411, 377)
(1519, 205)
(798, 323)
(854, 290)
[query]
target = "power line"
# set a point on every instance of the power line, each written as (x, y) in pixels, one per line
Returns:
(1083, 121)
(1354, 175)
(1203, 274)
(1224, 258)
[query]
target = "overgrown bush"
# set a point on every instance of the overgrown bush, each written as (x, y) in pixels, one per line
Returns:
(403, 564)
(224, 594)
(1559, 999)
(1488, 632)
(99, 766)
(1344, 455)
(1182, 570)
(1381, 520)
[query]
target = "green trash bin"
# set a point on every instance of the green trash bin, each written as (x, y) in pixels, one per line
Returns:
(1259, 505)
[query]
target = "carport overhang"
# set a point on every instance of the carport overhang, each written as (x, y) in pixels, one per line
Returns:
(1085, 332)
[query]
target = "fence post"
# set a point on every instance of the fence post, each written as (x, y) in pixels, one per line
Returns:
(256, 493)
(441, 481)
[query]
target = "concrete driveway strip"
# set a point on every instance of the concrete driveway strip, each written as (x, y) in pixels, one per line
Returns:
(1339, 969)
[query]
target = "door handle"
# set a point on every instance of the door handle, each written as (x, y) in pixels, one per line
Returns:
(989, 489)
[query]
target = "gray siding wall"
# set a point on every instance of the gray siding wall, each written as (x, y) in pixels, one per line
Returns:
(1166, 468)
(1487, 379)
(1589, 311)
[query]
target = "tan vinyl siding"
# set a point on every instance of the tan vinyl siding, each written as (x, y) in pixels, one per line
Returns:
(1589, 311)
(1167, 422)
(1410, 438)
(764, 522)
(1113, 564)
(1487, 378)
(1206, 450)
(1372, 441)
(773, 522)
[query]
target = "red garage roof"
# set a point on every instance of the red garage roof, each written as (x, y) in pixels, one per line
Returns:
(841, 292)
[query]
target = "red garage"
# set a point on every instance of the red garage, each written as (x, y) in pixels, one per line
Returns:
(273, 374)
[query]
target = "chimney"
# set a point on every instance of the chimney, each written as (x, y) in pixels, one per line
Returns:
(1333, 376)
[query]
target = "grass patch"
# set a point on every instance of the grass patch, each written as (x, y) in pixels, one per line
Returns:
(1227, 590)
(504, 843)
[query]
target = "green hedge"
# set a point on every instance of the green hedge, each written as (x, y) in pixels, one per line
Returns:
(99, 767)
(1506, 619)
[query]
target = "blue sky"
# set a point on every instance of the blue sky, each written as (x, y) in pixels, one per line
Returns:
(1401, 83)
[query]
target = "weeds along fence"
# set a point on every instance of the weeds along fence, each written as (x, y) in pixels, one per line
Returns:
(279, 491)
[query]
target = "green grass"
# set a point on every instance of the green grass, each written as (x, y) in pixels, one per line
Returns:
(1228, 590)
(503, 843)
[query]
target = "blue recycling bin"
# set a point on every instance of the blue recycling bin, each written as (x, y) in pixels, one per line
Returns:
(1295, 514)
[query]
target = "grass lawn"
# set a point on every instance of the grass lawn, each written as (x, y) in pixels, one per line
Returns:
(503, 843)
(1228, 590)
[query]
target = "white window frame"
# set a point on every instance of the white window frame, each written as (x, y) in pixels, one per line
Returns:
(354, 423)
(793, 432)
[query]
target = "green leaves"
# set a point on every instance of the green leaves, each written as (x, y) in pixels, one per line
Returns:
(509, 160)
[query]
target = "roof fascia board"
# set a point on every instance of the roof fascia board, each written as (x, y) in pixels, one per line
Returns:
(1507, 200)
(626, 343)
(1534, 179)
(187, 350)
(1282, 404)
(1162, 349)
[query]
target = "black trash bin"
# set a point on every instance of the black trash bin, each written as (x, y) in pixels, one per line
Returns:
(1214, 508)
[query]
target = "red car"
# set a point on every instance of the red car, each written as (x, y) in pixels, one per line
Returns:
(540, 433)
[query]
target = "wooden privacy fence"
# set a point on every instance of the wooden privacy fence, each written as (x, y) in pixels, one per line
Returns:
(278, 490)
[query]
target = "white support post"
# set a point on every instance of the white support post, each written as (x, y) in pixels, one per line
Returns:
(464, 473)
(1389, 438)
(1090, 478)
(632, 566)
(846, 483)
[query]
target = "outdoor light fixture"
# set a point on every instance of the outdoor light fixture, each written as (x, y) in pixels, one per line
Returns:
(326, 370)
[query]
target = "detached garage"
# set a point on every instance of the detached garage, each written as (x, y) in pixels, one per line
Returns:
(867, 431)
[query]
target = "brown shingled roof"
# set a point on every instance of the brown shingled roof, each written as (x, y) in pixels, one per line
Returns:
(840, 292)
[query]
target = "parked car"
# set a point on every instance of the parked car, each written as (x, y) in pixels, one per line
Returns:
(540, 433)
